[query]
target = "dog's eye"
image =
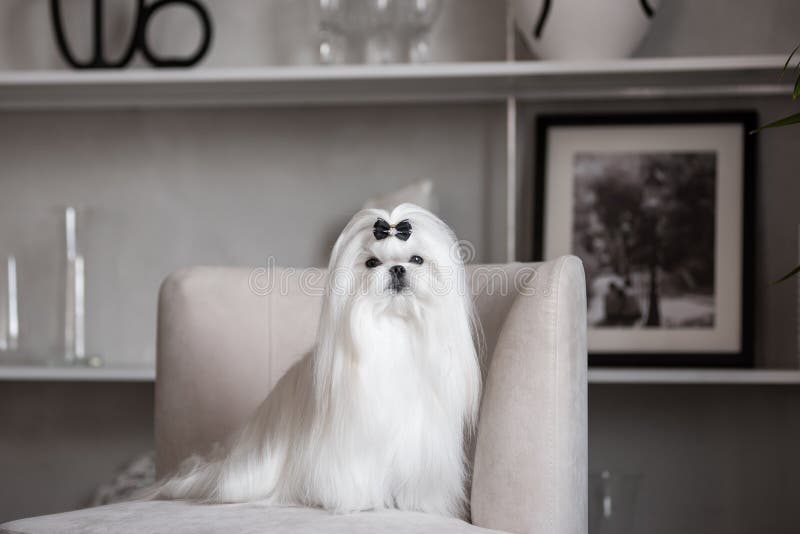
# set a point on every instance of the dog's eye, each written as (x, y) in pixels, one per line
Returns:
(417, 259)
(372, 263)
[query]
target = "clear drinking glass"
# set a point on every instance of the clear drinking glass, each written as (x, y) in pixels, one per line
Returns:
(375, 31)
(383, 41)
(420, 15)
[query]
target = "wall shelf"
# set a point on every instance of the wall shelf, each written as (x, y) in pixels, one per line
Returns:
(695, 376)
(43, 373)
(596, 376)
(350, 84)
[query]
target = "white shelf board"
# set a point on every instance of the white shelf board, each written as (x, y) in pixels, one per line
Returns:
(356, 84)
(694, 376)
(76, 374)
(596, 376)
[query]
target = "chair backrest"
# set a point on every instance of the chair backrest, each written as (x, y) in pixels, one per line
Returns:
(226, 335)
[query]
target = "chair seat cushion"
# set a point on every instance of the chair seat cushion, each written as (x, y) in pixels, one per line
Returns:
(178, 517)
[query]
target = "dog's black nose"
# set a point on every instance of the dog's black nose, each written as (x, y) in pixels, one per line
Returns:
(397, 271)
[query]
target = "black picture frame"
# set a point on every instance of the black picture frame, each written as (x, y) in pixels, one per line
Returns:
(749, 121)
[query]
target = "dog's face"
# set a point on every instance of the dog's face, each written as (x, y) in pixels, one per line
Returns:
(396, 261)
(394, 268)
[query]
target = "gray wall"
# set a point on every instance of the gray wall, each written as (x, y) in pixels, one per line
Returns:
(163, 189)
(160, 190)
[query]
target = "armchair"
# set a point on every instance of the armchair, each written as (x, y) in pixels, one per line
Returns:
(225, 336)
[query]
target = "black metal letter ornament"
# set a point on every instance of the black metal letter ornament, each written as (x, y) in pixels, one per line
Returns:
(138, 41)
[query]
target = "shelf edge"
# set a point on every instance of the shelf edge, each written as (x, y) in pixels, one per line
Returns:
(699, 377)
(76, 374)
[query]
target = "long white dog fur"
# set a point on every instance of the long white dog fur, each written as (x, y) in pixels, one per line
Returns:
(378, 414)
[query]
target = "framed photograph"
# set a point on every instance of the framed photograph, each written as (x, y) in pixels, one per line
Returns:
(660, 209)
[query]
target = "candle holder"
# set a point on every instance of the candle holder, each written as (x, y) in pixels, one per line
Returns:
(74, 295)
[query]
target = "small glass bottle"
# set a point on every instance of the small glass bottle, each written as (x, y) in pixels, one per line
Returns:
(9, 308)
(74, 295)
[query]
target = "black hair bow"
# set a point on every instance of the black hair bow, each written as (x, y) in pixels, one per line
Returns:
(382, 229)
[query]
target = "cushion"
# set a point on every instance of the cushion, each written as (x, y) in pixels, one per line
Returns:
(178, 517)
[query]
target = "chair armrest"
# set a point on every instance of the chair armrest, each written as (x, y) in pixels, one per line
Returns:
(531, 459)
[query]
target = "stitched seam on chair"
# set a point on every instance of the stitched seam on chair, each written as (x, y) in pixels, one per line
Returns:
(555, 516)
(270, 352)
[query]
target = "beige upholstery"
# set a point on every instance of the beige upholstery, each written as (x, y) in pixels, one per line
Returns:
(225, 336)
(531, 465)
(176, 517)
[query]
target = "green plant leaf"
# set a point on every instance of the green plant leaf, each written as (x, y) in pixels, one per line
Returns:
(796, 89)
(786, 121)
(788, 275)
(788, 59)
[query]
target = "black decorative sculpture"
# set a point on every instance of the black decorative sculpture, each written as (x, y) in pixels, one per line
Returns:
(138, 41)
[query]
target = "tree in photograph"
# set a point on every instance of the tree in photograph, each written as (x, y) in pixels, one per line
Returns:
(649, 213)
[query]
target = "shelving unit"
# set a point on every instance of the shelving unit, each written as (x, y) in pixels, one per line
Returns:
(76, 374)
(354, 84)
(764, 377)
(507, 82)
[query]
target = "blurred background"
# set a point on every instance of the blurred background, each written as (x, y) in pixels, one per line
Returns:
(228, 163)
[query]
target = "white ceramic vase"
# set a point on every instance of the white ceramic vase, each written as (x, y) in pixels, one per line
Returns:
(580, 29)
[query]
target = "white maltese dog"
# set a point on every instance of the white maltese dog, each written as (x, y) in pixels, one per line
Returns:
(378, 414)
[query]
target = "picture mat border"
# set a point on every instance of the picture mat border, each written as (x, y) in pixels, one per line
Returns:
(725, 142)
(749, 121)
